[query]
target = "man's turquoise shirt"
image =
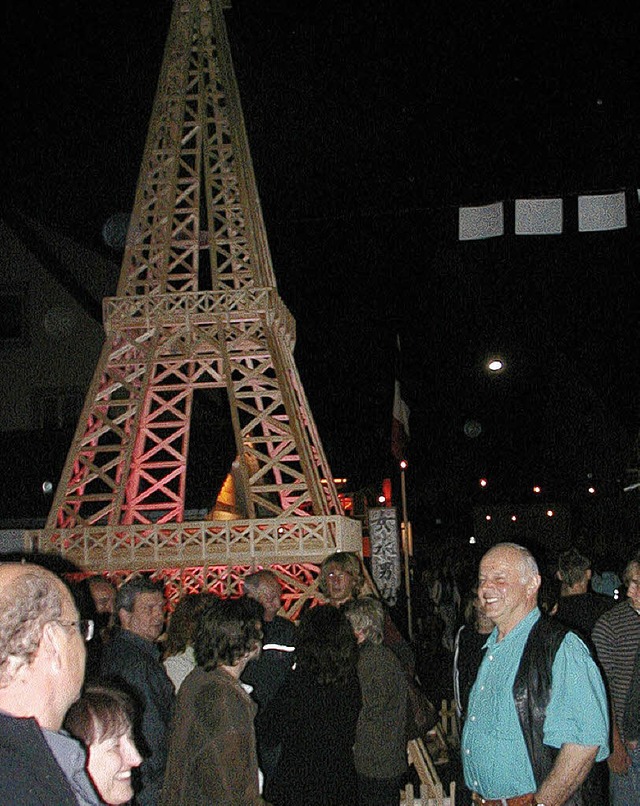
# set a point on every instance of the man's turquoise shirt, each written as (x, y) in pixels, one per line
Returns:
(494, 753)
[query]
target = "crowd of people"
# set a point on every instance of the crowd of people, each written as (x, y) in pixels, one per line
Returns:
(228, 702)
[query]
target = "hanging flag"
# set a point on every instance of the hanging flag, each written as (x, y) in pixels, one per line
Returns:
(604, 212)
(400, 421)
(481, 222)
(538, 216)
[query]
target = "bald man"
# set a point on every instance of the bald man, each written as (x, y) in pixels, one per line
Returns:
(42, 662)
(538, 715)
(268, 672)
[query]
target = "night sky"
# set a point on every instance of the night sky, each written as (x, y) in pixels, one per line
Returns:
(369, 124)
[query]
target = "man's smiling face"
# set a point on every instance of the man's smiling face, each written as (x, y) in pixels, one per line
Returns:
(507, 590)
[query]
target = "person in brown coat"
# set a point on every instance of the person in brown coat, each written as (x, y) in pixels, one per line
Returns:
(212, 750)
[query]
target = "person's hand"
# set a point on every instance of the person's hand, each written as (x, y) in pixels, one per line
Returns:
(619, 761)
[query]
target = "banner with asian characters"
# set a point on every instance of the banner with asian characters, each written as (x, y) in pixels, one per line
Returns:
(385, 552)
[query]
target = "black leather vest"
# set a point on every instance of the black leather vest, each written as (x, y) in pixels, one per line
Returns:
(532, 692)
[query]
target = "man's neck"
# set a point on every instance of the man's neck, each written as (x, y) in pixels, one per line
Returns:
(139, 637)
(506, 628)
(32, 706)
(235, 671)
(574, 590)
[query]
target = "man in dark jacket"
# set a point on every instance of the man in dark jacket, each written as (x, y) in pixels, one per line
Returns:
(579, 607)
(131, 659)
(538, 715)
(42, 662)
(267, 672)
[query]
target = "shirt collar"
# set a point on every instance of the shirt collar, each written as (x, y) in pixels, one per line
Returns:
(524, 625)
(143, 643)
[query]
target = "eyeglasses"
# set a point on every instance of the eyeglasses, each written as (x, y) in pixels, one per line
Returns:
(86, 627)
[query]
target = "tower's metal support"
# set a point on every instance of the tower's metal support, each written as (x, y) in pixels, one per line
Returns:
(196, 308)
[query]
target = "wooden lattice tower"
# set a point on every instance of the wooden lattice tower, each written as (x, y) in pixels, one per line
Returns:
(197, 308)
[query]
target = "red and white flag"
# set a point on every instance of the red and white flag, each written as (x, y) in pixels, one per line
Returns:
(400, 421)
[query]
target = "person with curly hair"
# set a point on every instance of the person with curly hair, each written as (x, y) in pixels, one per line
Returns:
(212, 749)
(314, 716)
(42, 664)
(178, 656)
(380, 749)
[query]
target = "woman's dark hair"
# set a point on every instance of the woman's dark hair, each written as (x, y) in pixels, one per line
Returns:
(326, 647)
(228, 629)
(100, 713)
(182, 624)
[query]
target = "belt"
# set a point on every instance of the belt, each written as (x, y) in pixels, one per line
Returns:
(520, 800)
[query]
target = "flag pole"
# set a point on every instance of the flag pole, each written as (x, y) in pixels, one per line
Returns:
(399, 439)
(407, 547)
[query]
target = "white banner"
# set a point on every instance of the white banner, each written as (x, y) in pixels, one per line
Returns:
(385, 552)
(603, 212)
(481, 222)
(538, 216)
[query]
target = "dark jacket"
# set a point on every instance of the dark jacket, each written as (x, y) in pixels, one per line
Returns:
(316, 726)
(29, 773)
(268, 672)
(580, 612)
(133, 663)
(212, 753)
(380, 749)
(532, 693)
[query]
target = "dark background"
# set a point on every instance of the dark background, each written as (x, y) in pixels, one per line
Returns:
(369, 124)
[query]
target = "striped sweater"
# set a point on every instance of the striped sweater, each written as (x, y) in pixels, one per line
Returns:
(616, 636)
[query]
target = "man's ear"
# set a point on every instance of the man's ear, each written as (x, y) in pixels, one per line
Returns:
(125, 617)
(50, 647)
(536, 581)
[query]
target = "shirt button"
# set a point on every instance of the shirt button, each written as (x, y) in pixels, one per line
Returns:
(473, 719)
(481, 688)
(475, 784)
(468, 752)
(490, 657)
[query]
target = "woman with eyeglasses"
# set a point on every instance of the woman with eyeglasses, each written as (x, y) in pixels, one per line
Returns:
(102, 719)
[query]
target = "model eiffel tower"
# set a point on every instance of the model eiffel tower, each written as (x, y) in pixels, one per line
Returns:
(197, 309)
